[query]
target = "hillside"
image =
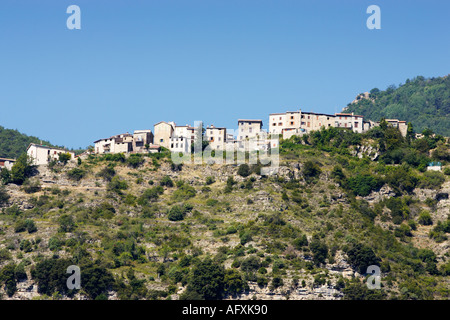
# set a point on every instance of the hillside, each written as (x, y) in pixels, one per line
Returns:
(13, 143)
(423, 102)
(140, 227)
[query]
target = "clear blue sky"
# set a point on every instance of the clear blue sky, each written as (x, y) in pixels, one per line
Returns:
(134, 63)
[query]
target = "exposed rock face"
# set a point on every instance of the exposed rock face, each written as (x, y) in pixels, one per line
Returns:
(365, 150)
(385, 192)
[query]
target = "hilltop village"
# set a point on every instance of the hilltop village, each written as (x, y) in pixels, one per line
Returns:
(249, 135)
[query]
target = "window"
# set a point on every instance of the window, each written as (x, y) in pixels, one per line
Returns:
(250, 129)
(292, 123)
(345, 124)
(171, 145)
(280, 123)
(292, 117)
(181, 145)
(280, 118)
(274, 124)
(161, 140)
(356, 124)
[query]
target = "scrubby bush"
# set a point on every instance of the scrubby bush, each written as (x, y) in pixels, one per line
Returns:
(4, 196)
(107, 173)
(319, 250)
(117, 185)
(176, 213)
(431, 180)
(311, 170)
(425, 218)
(76, 174)
(31, 185)
(185, 192)
(363, 184)
(206, 281)
(166, 181)
(135, 160)
(244, 170)
(361, 256)
(66, 223)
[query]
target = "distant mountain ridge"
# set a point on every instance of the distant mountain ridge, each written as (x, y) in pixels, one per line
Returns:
(13, 143)
(425, 102)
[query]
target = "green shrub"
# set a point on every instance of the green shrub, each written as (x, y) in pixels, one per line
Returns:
(166, 181)
(135, 160)
(176, 213)
(8, 278)
(76, 174)
(31, 185)
(233, 282)
(311, 170)
(210, 180)
(185, 192)
(244, 170)
(319, 251)
(66, 223)
(300, 242)
(206, 281)
(107, 173)
(431, 180)
(22, 169)
(23, 225)
(425, 218)
(64, 157)
(117, 185)
(363, 184)
(361, 256)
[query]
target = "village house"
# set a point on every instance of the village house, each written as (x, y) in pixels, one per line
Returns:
(300, 122)
(6, 163)
(115, 144)
(41, 154)
(163, 131)
(216, 136)
(251, 136)
(142, 139)
(401, 125)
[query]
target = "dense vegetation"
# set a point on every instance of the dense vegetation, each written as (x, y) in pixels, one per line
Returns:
(140, 227)
(423, 102)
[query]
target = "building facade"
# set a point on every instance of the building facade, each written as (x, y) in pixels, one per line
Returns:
(300, 122)
(142, 139)
(163, 131)
(216, 136)
(41, 154)
(121, 143)
(6, 163)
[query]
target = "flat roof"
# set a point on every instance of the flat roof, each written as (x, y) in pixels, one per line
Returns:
(250, 120)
